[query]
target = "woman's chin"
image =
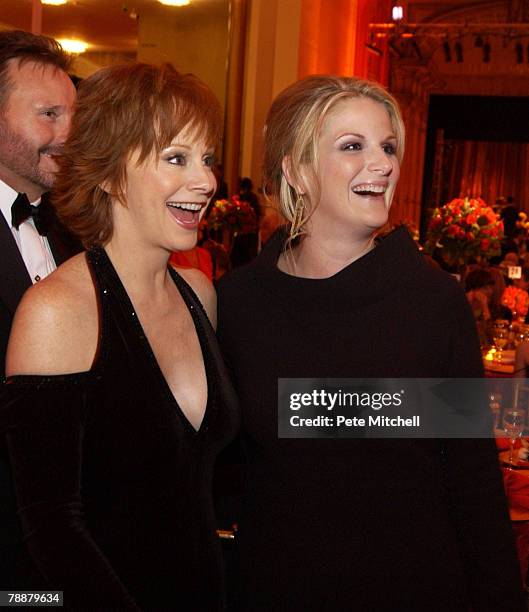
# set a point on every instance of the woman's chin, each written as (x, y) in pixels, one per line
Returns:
(377, 221)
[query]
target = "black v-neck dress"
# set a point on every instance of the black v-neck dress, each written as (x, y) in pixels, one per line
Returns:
(113, 482)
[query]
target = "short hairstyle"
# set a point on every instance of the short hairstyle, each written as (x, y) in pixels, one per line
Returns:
(122, 109)
(17, 45)
(293, 125)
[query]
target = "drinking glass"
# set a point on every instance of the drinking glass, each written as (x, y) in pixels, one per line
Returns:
(495, 407)
(500, 340)
(513, 423)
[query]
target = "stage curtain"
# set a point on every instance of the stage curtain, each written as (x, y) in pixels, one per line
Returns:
(487, 169)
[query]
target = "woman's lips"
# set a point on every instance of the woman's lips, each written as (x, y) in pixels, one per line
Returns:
(188, 219)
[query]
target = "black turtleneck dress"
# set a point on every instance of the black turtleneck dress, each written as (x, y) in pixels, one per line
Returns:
(113, 483)
(362, 524)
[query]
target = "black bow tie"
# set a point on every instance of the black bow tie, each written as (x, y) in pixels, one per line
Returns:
(22, 210)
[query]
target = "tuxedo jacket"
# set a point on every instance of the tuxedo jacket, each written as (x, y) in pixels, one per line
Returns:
(14, 277)
(14, 280)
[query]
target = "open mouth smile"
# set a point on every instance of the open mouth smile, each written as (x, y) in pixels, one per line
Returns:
(370, 189)
(186, 214)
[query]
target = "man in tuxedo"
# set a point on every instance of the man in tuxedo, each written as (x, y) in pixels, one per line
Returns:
(36, 104)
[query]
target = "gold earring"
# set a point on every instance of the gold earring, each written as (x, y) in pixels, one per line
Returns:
(298, 218)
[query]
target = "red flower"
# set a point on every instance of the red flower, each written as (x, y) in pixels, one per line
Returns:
(464, 229)
(517, 300)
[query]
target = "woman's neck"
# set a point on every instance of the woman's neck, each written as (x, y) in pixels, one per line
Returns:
(313, 258)
(142, 270)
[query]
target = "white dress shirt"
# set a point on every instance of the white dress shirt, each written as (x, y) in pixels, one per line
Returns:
(33, 247)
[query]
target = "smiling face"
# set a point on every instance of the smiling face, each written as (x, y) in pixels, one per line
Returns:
(357, 170)
(167, 194)
(34, 124)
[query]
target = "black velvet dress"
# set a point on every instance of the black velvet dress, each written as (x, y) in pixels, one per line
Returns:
(113, 483)
(362, 524)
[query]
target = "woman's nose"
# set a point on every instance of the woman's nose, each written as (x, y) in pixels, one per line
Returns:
(380, 163)
(202, 179)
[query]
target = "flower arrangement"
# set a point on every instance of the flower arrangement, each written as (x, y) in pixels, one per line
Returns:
(516, 300)
(464, 229)
(233, 215)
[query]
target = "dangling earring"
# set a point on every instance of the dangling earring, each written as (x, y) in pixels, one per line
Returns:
(298, 218)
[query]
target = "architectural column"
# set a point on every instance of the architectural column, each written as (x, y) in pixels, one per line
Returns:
(234, 92)
(271, 64)
(334, 36)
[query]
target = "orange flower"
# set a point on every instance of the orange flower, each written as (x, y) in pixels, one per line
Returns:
(517, 300)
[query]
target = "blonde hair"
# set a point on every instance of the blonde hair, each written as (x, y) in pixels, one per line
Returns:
(292, 131)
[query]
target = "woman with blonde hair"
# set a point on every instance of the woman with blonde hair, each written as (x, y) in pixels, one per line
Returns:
(116, 400)
(355, 524)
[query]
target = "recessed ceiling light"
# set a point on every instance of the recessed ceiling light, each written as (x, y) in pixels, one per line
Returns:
(73, 46)
(54, 2)
(174, 2)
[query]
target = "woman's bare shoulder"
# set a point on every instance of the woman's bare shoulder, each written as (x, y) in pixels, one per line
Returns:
(204, 289)
(55, 329)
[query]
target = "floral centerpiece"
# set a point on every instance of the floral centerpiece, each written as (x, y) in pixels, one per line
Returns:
(516, 300)
(464, 229)
(233, 215)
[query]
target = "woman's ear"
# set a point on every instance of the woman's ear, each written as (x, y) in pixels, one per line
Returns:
(298, 179)
(113, 191)
(286, 165)
(106, 187)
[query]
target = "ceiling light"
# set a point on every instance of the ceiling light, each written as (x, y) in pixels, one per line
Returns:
(174, 2)
(73, 46)
(54, 2)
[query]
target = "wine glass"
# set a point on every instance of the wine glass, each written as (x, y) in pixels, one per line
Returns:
(513, 423)
(495, 406)
(500, 340)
